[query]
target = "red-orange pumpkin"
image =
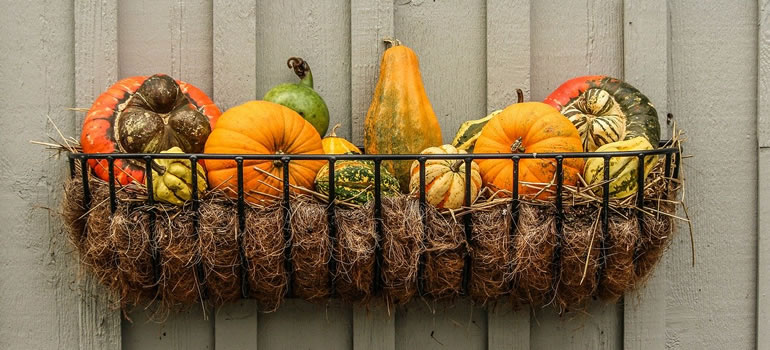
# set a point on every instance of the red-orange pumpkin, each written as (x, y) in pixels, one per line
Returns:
(530, 127)
(261, 127)
(146, 115)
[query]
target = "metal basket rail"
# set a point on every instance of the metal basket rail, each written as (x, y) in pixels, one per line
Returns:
(667, 152)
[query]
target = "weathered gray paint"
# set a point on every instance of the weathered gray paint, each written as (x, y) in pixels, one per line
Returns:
(473, 56)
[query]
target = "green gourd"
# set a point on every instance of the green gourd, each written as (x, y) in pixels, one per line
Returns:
(301, 97)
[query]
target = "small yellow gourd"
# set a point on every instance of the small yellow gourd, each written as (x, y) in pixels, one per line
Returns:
(172, 179)
(445, 179)
(334, 144)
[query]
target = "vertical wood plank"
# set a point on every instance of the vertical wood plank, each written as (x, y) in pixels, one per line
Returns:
(235, 55)
(96, 68)
(713, 305)
(763, 285)
(449, 37)
(646, 67)
(763, 135)
(370, 22)
(301, 325)
(508, 65)
(426, 325)
(373, 328)
(39, 303)
(317, 31)
(172, 37)
(594, 45)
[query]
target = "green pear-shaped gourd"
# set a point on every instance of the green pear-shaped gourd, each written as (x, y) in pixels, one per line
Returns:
(301, 97)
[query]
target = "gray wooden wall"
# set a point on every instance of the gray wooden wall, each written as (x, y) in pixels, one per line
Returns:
(708, 62)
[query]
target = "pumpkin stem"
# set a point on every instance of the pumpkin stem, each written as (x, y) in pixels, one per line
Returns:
(302, 70)
(392, 41)
(455, 167)
(519, 96)
(517, 147)
(333, 133)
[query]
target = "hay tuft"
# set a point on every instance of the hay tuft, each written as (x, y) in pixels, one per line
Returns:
(445, 248)
(579, 257)
(263, 246)
(311, 250)
(617, 273)
(491, 252)
(220, 258)
(402, 245)
(533, 251)
(354, 253)
(179, 251)
(131, 236)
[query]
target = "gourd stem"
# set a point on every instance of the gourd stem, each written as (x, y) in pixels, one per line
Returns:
(302, 70)
(519, 96)
(333, 133)
(392, 41)
(455, 167)
(158, 168)
(517, 147)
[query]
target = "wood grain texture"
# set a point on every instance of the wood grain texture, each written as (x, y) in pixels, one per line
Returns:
(235, 52)
(373, 328)
(317, 31)
(370, 22)
(449, 39)
(763, 74)
(172, 37)
(713, 305)
(181, 331)
(645, 57)
(234, 69)
(302, 325)
(508, 64)
(457, 326)
(592, 43)
(38, 283)
(763, 265)
(574, 38)
(96, 69)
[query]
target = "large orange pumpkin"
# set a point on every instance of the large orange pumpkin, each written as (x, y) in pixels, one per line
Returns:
(146, 115)
(530, 127)
(261, 127)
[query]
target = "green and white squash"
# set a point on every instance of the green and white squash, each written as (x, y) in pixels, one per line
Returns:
(354, 181)
(623, 170)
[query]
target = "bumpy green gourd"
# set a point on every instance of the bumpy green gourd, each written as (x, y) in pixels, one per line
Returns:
(172, 179)
(623, 170)
(301, 97)
(354, 181)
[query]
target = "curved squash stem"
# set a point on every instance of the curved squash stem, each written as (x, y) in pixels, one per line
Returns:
(519, 96)
(333, 133)
(392, 41)
(455, 167)
(517, 147)
(302, 70)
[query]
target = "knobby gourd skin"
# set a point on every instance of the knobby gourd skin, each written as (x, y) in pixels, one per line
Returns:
(606, 110)
(301, 97)
(400, 119)
(146, 115)
(334, 144)
(530, 127)
(354, 181)
(445, 179)
(172, 179)
(261, 127)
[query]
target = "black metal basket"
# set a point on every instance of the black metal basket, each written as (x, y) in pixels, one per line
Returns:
(665, 150)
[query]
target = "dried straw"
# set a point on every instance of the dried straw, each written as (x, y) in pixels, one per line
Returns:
(263, 246)
(579, 257)
(221, 261)
(402, 245)
(533, 252)
(491, 254)
(354, 253)
(311, 250)
(445, 248)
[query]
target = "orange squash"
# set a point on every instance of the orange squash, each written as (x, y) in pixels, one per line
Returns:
(530, 127)
(400, 119)
(261, 127)
(334, 144)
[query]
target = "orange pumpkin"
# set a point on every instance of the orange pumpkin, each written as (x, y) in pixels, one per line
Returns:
(261, 127)
(530, 127)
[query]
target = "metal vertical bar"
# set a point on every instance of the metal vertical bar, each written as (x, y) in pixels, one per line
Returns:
(242, 229)
(287, 226)
(111, 177)
(559, 218)
(423, 215)
(514, 204)
(640, 189)
(677, 164)
(331, 218)
(86, 190)
(154, 255)
(378, 225)
(72, 167)
(196, 224)
(667, 166)
(604, 242)
(467, 226)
